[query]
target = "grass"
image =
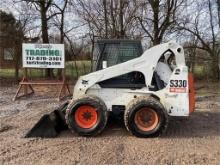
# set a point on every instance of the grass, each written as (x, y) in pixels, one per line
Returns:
(8, 73)
(83, 67)
(200, 72)
(211, 88)
(74, 68)
(77, 68)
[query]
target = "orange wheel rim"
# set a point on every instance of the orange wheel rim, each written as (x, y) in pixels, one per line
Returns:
(146, 119)
(86, 116)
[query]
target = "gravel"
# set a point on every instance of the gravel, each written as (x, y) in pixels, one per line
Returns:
(192, 140)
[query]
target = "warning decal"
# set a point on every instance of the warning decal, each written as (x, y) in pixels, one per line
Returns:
(178, 90)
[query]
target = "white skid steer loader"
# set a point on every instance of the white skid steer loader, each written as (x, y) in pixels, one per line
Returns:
(160, 86)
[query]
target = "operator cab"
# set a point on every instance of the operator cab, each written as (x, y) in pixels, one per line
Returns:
(111, 52)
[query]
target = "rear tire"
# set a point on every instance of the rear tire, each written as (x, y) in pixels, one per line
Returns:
(145, 117)
(87, 116)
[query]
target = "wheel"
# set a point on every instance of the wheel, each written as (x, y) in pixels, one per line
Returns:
(87, 116)
(145, 117)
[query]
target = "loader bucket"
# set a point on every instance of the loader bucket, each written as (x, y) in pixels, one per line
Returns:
(49, 125)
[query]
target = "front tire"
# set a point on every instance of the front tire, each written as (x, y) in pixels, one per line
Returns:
(87, 116)
(145, 117)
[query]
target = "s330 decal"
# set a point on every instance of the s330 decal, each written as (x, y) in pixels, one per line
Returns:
(178, 83)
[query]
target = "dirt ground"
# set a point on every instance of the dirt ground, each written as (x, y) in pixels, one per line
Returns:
(193, 140)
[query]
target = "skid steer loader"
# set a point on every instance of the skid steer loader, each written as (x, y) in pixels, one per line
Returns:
(147, 87)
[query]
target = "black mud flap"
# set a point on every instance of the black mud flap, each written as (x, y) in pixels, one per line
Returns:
(50, 125)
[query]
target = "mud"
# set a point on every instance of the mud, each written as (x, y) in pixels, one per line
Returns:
(192, 140)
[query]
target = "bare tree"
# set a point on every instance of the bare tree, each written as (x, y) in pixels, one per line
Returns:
(43, 7)
(11, 37)
(218, 11)
(157, 17)
(116, 16)
(58, 21)
(206, 32)
(106, 18)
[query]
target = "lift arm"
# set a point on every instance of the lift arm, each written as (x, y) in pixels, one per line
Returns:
(145, 64)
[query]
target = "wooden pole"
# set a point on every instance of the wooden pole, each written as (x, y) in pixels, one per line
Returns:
(25, 79)
(63, 75)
